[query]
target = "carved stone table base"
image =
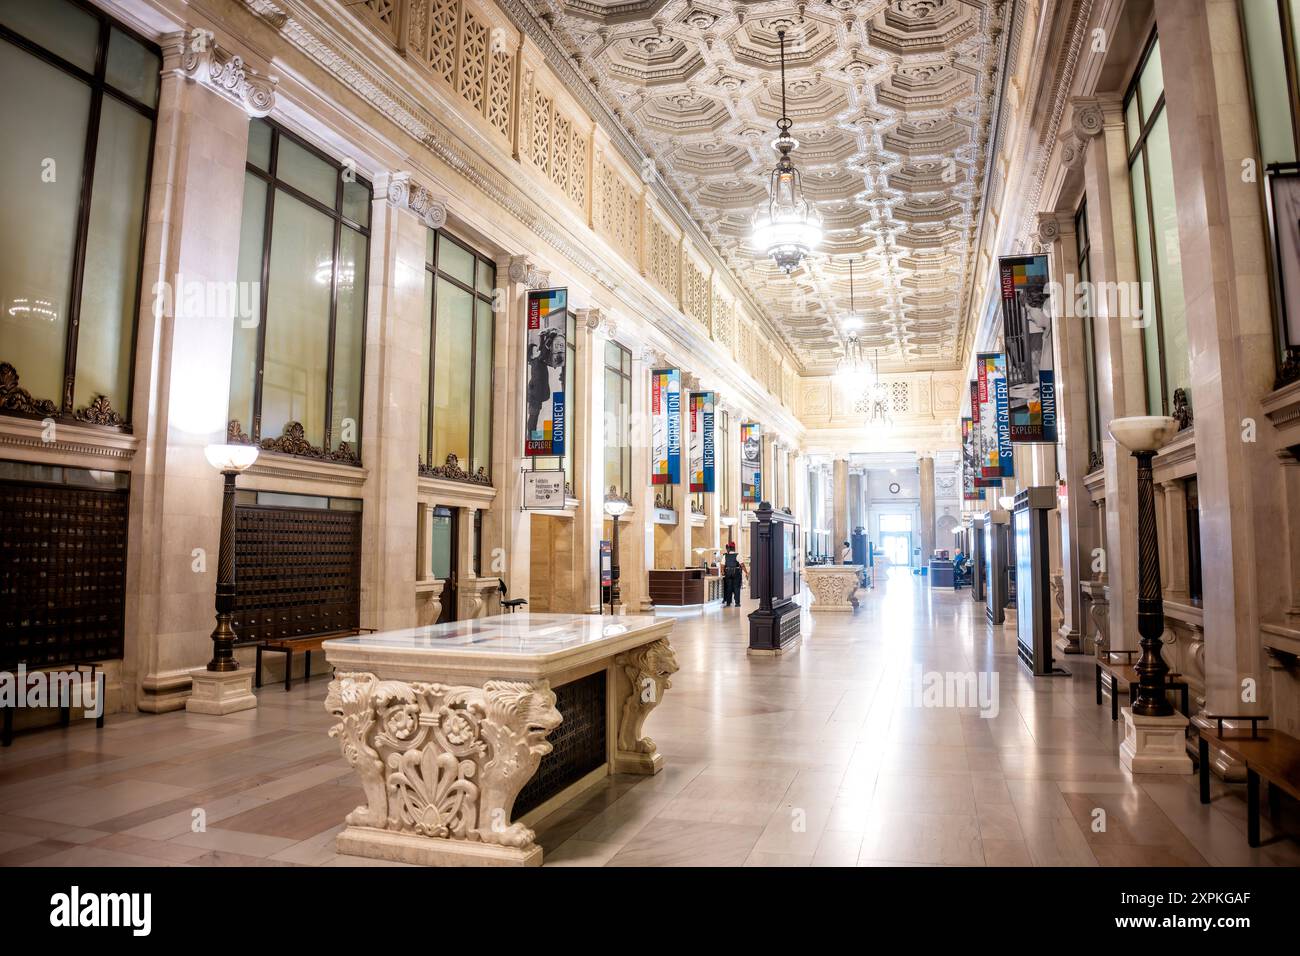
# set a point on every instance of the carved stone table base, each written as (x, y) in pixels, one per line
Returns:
(833, 586)
(443, 760)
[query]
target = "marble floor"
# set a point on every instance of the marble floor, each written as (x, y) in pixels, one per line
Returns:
(821, 757)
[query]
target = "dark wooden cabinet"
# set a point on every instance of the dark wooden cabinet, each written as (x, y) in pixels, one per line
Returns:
(684, 587)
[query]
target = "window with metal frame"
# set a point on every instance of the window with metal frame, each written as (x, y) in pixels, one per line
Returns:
(299, 358)
(456, 376)
(1083, 250)
(618, 419)
(78, 102)
(1163, 319)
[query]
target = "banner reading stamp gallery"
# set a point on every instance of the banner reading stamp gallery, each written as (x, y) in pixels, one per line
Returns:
(665, 426)
(702, 451)
(996, 454)
(545, 425)
(1027, 332)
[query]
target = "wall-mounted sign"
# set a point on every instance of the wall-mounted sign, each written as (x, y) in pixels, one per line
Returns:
(546, 424)
(544, 489)
(1027, 334)
(665, 516)
(751, 462)
(666, 426)
(996, 454)
(701, 437)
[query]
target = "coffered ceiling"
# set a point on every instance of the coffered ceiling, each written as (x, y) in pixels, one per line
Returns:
(892, 102)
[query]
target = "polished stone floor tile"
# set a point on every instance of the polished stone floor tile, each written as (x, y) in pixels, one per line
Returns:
(828, 756)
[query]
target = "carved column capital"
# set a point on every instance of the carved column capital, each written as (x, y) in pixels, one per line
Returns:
(524, 271)
(1048, 228)
(405, 193)
(197, 55)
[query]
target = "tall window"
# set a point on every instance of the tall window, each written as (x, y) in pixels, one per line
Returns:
(456, 377)
(571, 387)
(78, 99)
(1155, 226)
(722, 449)
(618, 415)
(1082, 250)
(1271, 31)
(297, 363)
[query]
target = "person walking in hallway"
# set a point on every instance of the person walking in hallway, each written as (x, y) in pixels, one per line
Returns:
(732, 570)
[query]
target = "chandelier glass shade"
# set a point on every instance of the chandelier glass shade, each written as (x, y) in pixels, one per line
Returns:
(788, 229)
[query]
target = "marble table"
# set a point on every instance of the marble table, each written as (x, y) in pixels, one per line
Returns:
(834, 587)
(451, 727)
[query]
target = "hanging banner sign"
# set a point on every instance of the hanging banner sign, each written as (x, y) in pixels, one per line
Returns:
(545, 426)
(969, 461)
(751, 462)
(666, 426)
(996, 453)
(702, 450)
(1027, 334)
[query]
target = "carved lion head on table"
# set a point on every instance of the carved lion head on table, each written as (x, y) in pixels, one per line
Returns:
(526, 705)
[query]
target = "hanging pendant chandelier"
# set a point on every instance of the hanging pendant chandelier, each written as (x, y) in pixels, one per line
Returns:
(878, 401)
(853, 372)
(788, 229)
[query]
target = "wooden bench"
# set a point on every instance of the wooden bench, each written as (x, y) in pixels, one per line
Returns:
(1123, 672)
(1269, 754)
(307, 643)
(65, 712)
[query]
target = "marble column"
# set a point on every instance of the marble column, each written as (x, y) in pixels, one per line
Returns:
(192, 235)
(587, 429)
(391, 444)
(638, 547)
(1229, 337)
(507, 530)
(925, 468)
(1077, 531)
(840, 522)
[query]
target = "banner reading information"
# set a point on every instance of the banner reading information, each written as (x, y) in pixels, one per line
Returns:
(545, 424)
(666, 426)
(751, 462)
(1027, 332)
(702, 452)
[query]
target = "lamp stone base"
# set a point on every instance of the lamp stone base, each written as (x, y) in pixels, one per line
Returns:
(1154, 744)
(221, 692)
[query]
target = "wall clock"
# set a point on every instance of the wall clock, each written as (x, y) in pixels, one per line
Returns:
(894, 488)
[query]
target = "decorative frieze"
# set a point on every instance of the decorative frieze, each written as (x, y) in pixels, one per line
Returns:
(206, 62)
(15, 398)
(450, 470)
(100, 412)
(293, 441)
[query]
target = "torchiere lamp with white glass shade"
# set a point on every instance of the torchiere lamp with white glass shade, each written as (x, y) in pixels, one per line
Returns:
(615, 506)
(231, 460)
(1144, 435)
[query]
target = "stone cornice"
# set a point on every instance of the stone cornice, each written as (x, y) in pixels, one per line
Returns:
(29, 434)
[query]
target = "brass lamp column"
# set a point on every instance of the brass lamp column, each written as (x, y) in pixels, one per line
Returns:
(230, 460)
(615, 506)
(1143, 436)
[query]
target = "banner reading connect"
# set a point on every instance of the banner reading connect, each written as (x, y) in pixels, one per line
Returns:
(666, 426)
(544, 428)
(702, 454)
(1027, 332)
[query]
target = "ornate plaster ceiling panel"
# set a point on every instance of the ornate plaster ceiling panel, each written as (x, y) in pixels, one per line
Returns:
(892, 102)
